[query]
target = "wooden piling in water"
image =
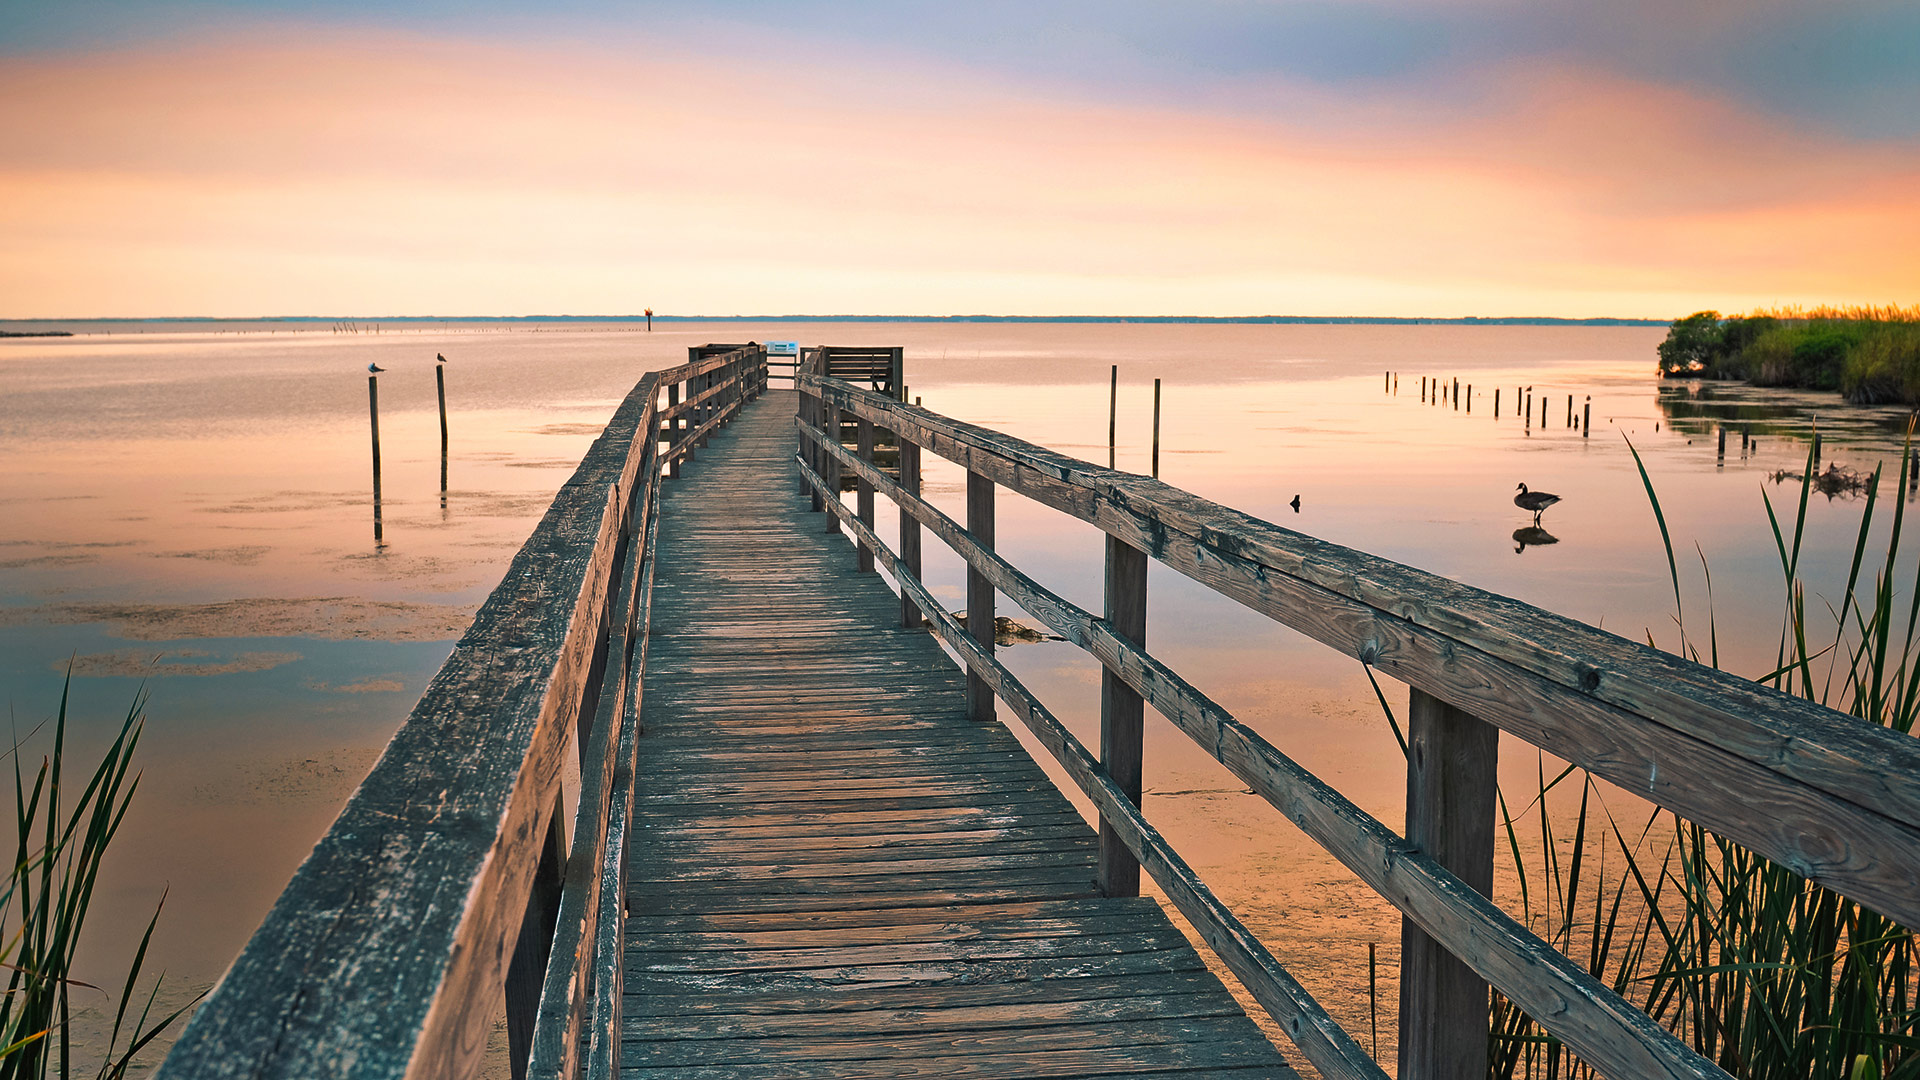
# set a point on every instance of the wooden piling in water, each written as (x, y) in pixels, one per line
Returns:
(373, 417)
(1456, 393)
(1156, 429)
(1586, 418)
(1496, 403)
(1113, 413)
(1469, 397)
(1720, 448)
(1569, 410)
(1373, 988)
(440, 389)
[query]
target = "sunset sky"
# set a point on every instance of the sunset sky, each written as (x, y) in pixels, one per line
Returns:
(1213, 157)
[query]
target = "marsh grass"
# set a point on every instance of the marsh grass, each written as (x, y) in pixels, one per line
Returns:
(1759, 970)
(1848, 312)
(1871, 355)
(43, 909)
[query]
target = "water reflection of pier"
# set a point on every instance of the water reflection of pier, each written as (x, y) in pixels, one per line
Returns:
(803, 847)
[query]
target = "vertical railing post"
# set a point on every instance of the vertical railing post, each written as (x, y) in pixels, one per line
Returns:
(980, 593)
(829, 464)
(804, 412)
(1451, 786)
(816, 409)
(909, 527)
(673, 429)
(527, 968)
(1122, 713)
(863, 492)
(707, 408)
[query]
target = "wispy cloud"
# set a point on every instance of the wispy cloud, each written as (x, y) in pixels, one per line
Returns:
(378, 169)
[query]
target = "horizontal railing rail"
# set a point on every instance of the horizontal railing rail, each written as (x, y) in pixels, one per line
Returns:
(1838, 794)
(446, 882)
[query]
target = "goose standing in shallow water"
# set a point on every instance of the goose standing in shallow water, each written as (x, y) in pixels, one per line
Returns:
(1534, 502)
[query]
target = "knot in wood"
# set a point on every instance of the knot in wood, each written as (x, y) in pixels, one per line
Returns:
(1589, 679)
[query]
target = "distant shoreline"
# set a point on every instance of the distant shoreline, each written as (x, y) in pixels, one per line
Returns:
(421, 320)
(35, 333)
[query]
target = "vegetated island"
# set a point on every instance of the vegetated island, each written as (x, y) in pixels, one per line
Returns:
(1871, 355)
(36, 333)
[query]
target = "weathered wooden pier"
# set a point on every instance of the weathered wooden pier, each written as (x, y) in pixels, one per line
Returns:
(698, 795)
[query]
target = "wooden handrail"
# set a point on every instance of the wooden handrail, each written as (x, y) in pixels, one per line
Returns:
(386, 955)
(1538, 978)
(1704, 743)
(1434, 634)
(1326, 1044)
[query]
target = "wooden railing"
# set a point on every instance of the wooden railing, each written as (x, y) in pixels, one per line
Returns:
(447, 880)
(1831, 797)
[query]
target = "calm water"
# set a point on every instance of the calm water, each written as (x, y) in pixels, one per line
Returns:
(191, 512)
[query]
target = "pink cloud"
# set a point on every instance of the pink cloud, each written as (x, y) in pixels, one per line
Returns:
(363, 172)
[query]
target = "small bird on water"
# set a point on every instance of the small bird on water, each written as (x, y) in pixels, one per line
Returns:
(375, 368)
(1534, 502)
(1295, 504)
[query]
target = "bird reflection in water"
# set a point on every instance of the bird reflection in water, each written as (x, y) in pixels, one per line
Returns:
(1532, 536)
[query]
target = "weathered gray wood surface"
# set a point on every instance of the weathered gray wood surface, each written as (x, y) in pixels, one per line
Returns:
(386, 955)
(833, 873)
(1603, 1028)
(1325, 1044)
(1844, 796)
(1452, 782)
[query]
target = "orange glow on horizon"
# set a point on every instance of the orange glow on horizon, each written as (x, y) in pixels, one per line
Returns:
(380, 174)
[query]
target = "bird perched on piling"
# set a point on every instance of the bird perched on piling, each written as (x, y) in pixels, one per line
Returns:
(438, 359)
(375, 368)
(1534, 502)
(1295, 504)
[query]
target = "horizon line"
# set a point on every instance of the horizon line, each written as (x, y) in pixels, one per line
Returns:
(1601, 320)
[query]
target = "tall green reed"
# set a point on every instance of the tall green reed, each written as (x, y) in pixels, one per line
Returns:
(44, 903)
(1763, 972)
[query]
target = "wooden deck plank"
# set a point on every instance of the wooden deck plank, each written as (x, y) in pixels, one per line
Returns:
(835, 873)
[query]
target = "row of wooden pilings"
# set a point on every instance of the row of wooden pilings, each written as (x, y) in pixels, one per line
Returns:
(1438, 391)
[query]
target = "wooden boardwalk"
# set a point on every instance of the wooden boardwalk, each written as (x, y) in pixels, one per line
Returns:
(836, 875)
(813, 864)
